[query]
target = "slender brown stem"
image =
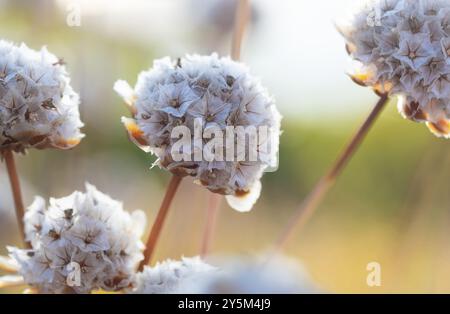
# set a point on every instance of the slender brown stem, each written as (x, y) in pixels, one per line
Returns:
(16, 191)
(214, 202)
(240, 24)
(159, 222)
(309, 205)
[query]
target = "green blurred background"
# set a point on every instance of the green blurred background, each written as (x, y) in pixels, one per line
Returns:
(390, 206)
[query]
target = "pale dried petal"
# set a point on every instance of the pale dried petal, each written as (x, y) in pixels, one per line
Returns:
(244, 202)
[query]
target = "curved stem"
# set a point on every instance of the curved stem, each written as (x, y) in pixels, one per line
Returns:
(16, 191)
(211, 222)
(240, 24)
(159, 222)
(310, 204)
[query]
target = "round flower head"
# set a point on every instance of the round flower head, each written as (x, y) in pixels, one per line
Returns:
(38, 107)
(80, 243)
(169, 276)
(402, 48)
(226, 122)
(253, 276)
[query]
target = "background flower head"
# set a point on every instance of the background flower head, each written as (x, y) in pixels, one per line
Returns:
(38, 107)
(402, 47)
(253, 275)
(85, 237)
(169, 276)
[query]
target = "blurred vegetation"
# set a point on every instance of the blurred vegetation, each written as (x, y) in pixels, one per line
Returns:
(390, 206)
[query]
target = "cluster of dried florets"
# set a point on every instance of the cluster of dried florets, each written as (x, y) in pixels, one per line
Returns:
(222, 94)
(403, 48)
(169, 276)
(80, 243)
(38, 107)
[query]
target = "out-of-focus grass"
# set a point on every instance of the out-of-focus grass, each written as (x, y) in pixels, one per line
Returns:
(390, 205)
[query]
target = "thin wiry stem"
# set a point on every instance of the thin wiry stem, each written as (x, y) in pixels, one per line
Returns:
(160, 219)
(310, 204)
(16, 191)
(214, 202)
(240, 24)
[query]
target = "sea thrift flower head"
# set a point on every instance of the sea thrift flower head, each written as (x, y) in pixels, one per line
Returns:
(169, 276)
(80, 243)
(402, 48)
(223, 95)
(249, 275)
(38, 107)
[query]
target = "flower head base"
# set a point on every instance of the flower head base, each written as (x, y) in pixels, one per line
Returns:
(254, 276)
(402, 48)
(38, 107)
(205, 95)
(80, 243)
(169, 276)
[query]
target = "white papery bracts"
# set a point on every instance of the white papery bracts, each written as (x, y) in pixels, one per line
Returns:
(80, 243)
(402, 48)
(38, 107)
(214, 95)
(169, 276)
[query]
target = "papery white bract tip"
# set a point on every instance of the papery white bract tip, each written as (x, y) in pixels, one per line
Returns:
(125, 91)
(244, 202)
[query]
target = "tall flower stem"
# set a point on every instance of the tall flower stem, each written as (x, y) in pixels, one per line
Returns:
(312, 201)
(214, 202)
(241, 19)
(160, 219)
(16, 191)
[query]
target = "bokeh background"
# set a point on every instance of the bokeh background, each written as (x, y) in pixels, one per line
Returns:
(390, 206)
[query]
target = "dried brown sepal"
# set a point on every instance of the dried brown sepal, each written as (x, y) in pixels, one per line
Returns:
(135, 134)
(440, 128)
(412, 111)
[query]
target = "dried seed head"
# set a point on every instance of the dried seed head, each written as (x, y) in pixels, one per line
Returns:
(222, 94)
(401, 47)
(38, 107)
(88, 235)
